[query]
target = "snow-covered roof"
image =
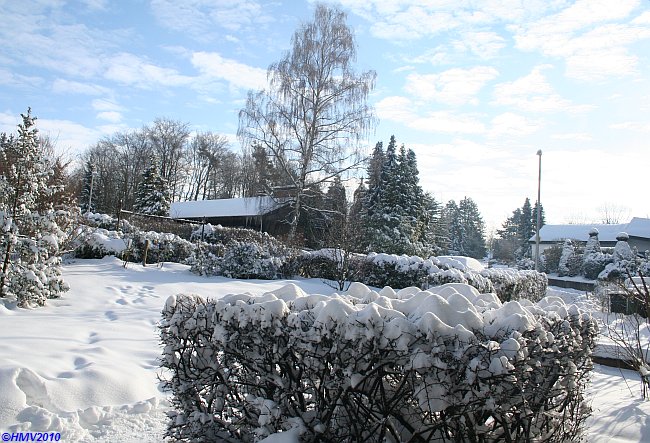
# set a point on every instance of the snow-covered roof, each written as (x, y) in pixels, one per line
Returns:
(638, 227)
(227, 207)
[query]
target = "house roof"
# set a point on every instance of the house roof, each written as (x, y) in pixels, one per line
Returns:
(638, 227)
(227, 207)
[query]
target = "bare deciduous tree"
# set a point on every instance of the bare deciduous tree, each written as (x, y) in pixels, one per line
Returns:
(168, 139)
(314, 114)
(205, 153)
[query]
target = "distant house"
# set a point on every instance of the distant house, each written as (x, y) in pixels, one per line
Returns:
(638, 230)
(266, 214)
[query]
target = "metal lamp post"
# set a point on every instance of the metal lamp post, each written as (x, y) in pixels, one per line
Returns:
(539, 210)
(92, 179)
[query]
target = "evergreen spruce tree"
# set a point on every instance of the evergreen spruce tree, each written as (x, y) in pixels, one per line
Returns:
(516, 232)
(455, 229)
(337, 207)
(397, 214)
(371, 197)
(474, 228)
(30, 236)
(525, 229)
(152, 194)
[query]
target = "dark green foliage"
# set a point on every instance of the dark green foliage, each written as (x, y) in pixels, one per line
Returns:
(465, 228)
(152, 195)
(515, 234)
(551, 257)
(399, 218)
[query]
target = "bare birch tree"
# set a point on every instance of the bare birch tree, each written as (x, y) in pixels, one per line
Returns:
(314, 115)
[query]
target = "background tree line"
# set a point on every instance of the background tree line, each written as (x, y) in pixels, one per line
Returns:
(304, 135)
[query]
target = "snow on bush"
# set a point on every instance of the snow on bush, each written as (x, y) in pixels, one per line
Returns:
(401, 271)
(448, 364)
(512, 284)
(100, 220)
(98, 243)
(240, 253)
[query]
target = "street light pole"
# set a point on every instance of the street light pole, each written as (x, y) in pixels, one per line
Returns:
(92, 179)
(539, 210)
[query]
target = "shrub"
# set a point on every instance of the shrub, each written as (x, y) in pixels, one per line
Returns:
(453, 365)
(552, 258)
(250, 260)
(594, 264)
(511, 284)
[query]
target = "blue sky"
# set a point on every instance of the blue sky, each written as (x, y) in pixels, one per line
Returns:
(475, 88)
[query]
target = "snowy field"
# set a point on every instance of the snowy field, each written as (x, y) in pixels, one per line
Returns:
(86, 365)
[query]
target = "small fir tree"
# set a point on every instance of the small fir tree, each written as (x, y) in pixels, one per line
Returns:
(152, 194)
(30, 236)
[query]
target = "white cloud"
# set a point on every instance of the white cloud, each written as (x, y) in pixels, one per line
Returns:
(238, 75)
(111, 116)
(9, 122)
(583, 34)
(18, 80)
(403, 110)
(132, 70)
(533, 93)
(577, 136)
(447, 123)
(67, 134)
(453, 87)
(512, 125)
(102, 104)
(484, 44)
(64, 86)
(204, 20)
(632, 126)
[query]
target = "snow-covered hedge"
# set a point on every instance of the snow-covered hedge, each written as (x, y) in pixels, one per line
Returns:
(513, 284)
(98, 243)
(241, 253)
(224, 235)
(402, 271)
(448, 364)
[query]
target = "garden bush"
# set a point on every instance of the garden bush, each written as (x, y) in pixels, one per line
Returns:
(511, 284)
(448, 364)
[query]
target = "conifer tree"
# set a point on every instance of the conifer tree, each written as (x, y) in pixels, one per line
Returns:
(337, 206)
(455, 229)
(398, 216)
(152, 195)
(474, 243)
(30, 236)
(525, 229)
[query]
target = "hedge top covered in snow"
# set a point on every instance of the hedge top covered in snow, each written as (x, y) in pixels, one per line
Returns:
(451, 310)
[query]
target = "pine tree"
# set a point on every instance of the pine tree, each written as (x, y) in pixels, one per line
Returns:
(466, 228)
(337, 207)
(474, 228)
(30, 235)
(396, 212)
(455, 229)
(525, 230)
(516, 232)
(152, 194)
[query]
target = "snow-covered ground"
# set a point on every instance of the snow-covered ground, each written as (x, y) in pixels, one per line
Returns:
(86, 365)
